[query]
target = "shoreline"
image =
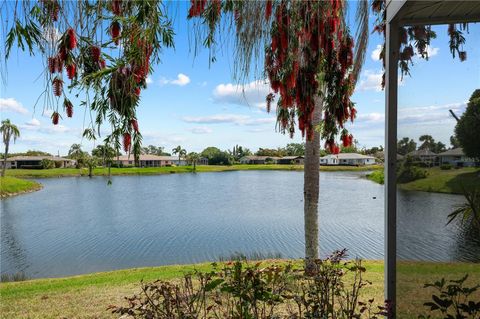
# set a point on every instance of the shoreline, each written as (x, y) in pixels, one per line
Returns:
(12, 186)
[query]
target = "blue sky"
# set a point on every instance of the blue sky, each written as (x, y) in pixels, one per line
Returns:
(196, 105)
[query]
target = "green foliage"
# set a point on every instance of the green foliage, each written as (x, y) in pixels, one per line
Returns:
(377, 176)
(31, 153)
(453, 300)
(406, 145)
(279, 152)
(245, 290)
(446, 166)
(470, 210)
(295, 149)
(408, 172)
(238, 152)
(155, 150)
(468, 126)
(47, 163)
(216, 157)
(58, 164)
(428, 143)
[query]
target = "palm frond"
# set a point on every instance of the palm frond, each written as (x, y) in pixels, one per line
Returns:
(361, 37)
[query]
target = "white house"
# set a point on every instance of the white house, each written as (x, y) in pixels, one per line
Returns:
(349, 159)
(150, 160)
(457, 158)
(36, 161)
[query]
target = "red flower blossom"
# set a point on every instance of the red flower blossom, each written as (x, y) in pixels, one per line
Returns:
(117, 7)
(55, 117)
(137, 91)
(127, 141)
(71, 70)
(57, 84)
(51, 64)
(462, 55)
(115, 31)
(102, 64)
(268, 9)
(68, 107)
(134, 124)
(95, 53)
(71, 39)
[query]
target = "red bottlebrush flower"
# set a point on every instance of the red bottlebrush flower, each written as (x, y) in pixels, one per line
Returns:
(218, 6)
(137, 91)
(134, 124)
(117, 7)
(68, 107)
(71, 70)
(115, 29)
(55, 117)
(127, 141)
(284, 40)
(95, 53)
(462, 55)
(347, 140)
(274, 43)
(270, 98)
(102, 64)
(71, 39)
(58, 64)
(353, 113)
(408, 51)
(335, 149)
(268, 9)
(196, 8)
(377, 5)
(62, 53)
(57, 84)
(52, 64)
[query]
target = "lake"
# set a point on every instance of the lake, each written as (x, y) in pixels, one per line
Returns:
(80, 225)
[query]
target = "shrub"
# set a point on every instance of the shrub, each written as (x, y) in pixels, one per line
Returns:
(245, 290)
(446, 166)
(58, 164)
(453, 300)
(46, 163)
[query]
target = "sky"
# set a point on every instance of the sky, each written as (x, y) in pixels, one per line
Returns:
(192, 103)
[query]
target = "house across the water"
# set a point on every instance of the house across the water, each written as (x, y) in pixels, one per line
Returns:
(298, 160)
(150, 161)
(254, 159)
(35, 162)
(347, 159)
(424, 156)
(457, 158)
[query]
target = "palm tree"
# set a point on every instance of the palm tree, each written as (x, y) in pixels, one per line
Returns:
(193, 159)
(180, 151)
(470, 210)
(8, 130)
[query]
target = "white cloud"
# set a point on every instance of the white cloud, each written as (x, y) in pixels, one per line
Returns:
(236, 119)
(371, 80)
(200, 130)
(149, 80)
(33, 122)
(181, 80)
(251, 94)
(376, 53)
(12, 105)
(432, 51)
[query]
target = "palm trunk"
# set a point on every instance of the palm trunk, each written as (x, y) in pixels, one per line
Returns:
(194, 165)
(311, 190)
(5, 159)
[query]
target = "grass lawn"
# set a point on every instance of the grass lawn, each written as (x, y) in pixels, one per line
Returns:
(60, 172)
(438, 180)
(11, 185)
(88, 296)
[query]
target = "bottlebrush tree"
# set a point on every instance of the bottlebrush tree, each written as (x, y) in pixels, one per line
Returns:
(308, 52)
(102, 49)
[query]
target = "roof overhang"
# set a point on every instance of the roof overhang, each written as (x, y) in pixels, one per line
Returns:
(414, 12)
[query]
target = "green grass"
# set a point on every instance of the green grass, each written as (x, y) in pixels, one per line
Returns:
(61, 172)
(88, 296)
(377, 176)
(11, 185)
(446, 181)
(439, 181)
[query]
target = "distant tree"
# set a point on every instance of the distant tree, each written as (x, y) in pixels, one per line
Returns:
(454, 141)
(295, 149)
(279, 152)
(77, 154)
(216, 157)
(406, 145)
(374, 150)
(180, 151)
(429, 143)
(8, 131)
(470, 210)
(105, 153)
(468, 127)
(155, 150)
(238, 152)
(193, 158)
(349, 149)
(91, 163)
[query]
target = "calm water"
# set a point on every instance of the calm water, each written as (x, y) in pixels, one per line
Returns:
(81, 225)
